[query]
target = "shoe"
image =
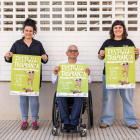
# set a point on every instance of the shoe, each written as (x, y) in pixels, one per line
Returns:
(35, 126)
(103, 125)
(133, 126)
(73, 128)
(66, 128)
(24, 125)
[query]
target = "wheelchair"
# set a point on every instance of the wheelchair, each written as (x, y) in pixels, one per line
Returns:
(86, 107)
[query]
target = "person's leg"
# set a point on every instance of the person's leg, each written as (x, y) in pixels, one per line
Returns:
(76, 110)
(128, 107)
(24, 107)
(34, 105)
(107, 115)
(63, 107)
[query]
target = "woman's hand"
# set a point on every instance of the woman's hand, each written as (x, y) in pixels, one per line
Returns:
(102, 53)
(87, 70)
(56, 69)
(44, 57)
(136, 50)
(8, 55)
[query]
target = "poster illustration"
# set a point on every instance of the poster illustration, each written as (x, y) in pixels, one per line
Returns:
(25, 75)
(72, 81)
(120, 67)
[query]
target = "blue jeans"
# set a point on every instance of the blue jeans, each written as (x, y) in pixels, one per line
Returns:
(75, 112)
(107, 115)
(24, 106)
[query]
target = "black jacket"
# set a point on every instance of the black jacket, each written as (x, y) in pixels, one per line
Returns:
(36, 48)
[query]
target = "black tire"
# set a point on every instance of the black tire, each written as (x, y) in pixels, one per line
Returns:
(54, 111)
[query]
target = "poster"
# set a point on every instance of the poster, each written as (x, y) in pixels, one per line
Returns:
(25, 75)
(72, 81)
(120, 67)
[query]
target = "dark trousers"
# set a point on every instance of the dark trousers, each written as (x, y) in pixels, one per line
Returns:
(75, 112)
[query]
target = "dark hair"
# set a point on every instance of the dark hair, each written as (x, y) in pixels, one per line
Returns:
(118, 22)
(30, 22)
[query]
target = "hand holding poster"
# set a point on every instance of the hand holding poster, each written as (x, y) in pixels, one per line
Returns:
(72, 81)
(25, 75)
(120, 67)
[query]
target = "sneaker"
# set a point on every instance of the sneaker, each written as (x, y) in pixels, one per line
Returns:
(103, 125)
(24, 125)
(66, 128)
(73, 128)
(35, 126)
(133, 126)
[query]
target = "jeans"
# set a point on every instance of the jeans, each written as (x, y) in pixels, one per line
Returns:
(75, 112)
(24, 106)
(107, 115)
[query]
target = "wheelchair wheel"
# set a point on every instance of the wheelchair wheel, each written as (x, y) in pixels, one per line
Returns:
(55, 111)
(90, 110)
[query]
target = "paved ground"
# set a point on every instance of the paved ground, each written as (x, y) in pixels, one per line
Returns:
(10, 130)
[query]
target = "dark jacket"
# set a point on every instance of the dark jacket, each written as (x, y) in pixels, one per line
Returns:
(36, 48)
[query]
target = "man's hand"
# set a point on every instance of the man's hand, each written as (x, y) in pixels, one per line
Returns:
(87, 70)
(136, 50)
(56, 69)
(102, 53)
(8, 55)
(44, 57)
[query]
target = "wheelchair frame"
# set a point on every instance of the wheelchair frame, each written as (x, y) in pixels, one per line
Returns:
(57, 121)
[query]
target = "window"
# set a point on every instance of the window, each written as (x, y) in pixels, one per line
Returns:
(19, 22)
(57, 28)
(107, 3)
(81, 16)
(8, 16)
(20, 9)
(132, 22)
(69, 9)
(44, 9)
(106, 9)
(44, 29)
(106, 22)
(56, 3)
(119, 3)
(56, 16)
(132, 29)
(69, 28)
(69, 3)
(20, 3)
(81, 9)
(32, 3)
(19, 29)
(132, 15)
(44, 16)
(56, 9)
(44, 3)
(94, 22)
(8, 10)
(69, 16)
(94, 16)
(82, 22)
(81, 28)
(94, 3)
(107, 16)
(8, 3)
(20, 16)
(119, 15)
(132, 9)
(69, 22)
(56, 22)
(106, 29)
(132, 2)
(119, 9)
(32, 9)
(94, 9)
(44, 22)
(7, 22)
(7, 29)
(82, 3)
(32, 16)
(94, 28)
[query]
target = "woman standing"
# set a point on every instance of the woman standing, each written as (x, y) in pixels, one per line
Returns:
(28, 46)
(118, 38)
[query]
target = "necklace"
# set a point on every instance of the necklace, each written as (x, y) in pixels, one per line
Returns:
(27, 41)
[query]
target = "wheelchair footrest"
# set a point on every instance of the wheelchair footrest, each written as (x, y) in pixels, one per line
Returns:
(83, 125)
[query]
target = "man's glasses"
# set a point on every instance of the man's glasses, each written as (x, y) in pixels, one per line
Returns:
(70, 51)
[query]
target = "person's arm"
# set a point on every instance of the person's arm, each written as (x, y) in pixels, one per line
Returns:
(101, 52)
(136, 53)
(44, 56)
(55, 74)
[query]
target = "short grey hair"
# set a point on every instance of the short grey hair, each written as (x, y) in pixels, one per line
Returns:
(72, 46)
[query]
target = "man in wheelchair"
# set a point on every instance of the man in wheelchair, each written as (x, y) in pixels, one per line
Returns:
(70, 124)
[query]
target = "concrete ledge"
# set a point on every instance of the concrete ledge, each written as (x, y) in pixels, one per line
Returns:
(10, 110)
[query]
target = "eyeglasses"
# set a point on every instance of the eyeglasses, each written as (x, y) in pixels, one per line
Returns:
(70, 51)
